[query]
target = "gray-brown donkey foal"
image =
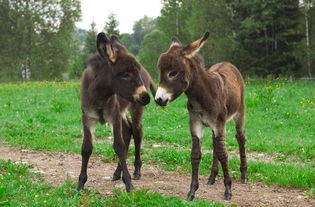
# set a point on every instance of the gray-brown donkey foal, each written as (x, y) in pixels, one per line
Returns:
(113, 83)
(214, 96)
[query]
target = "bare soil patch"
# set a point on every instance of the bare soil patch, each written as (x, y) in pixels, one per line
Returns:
(56, 167)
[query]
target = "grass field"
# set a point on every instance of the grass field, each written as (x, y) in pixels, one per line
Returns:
(279, 125)
(23, 188)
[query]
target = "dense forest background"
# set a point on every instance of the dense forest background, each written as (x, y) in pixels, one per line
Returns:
(263, 38)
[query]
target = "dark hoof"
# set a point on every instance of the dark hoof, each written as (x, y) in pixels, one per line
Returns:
(227, 196)
(116, 177)
(80, 187)
(244, 177)
(136, 176)
(211, 180)
(244, 180)
(190, 197)
(130, 188)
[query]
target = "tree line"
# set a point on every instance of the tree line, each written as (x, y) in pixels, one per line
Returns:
(36, 38)
(261, 37)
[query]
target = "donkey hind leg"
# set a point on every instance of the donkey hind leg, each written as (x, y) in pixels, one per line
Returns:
(241, 139)
(120, 150)
(87, 147)
(215, 163)
(196, 129)
(221, 153)
(126, 132)
(136, 114)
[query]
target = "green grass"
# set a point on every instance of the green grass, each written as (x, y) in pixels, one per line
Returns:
(20, 187)
(280, 119)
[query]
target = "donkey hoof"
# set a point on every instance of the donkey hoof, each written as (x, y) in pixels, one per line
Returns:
(244, 180)
(80, 187)
(211, 181)
(130, 188)
(116, 177)
(190, 197)
(227, 196)
(136, 177)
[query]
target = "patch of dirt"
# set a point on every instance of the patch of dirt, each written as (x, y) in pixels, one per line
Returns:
(251, 155)
(56, 167)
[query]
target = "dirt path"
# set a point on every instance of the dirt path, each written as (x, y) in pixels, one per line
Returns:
(56, 167)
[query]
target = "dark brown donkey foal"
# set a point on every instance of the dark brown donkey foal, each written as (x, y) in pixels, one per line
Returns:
(214, 96)
(113, 83)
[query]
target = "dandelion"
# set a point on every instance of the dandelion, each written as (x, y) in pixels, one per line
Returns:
(36, 196)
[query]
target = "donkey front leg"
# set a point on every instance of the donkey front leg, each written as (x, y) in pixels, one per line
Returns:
(136, 114)
(221, 153)
(126, 131)
(120, 149)
(86, 150)
(215, 163)
(196, 129)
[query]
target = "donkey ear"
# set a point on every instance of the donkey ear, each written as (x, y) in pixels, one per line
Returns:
(117, 45)
(104, 47)
(192, 49)
(175, 42)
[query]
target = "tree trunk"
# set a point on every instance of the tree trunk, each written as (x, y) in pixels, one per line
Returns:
(177, 23)
(306, 8)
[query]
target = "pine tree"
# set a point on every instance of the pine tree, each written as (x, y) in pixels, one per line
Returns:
(111, 26)
(212, 16)
(173, 19)
(90, 40)
(153, 45)
(267, 33)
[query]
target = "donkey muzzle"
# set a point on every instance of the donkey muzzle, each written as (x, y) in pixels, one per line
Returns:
(143, 99)
(141, 96)
(162, 96)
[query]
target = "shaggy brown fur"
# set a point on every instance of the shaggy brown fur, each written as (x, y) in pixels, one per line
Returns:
(113, 83)
(214, 96)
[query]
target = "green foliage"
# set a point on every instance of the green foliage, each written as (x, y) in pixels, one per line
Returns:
(111, 25)
(220, 46)
(37, 35)
(128, 41)
(19, 187)
(267, 33)
(153, 45)
(141, 27)
(279, 122)
(174, 17)
(136, 198)
(261, 38)
(90, 40)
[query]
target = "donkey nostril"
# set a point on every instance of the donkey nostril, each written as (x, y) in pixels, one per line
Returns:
(145, 98)
(159, 100)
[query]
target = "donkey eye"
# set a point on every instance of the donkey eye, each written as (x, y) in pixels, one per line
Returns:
(173, 74)
(123, 75)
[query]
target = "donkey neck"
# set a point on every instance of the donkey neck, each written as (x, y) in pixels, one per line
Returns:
(204, 88)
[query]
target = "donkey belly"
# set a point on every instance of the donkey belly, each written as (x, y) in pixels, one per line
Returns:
(98, 115)
(208, 121)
